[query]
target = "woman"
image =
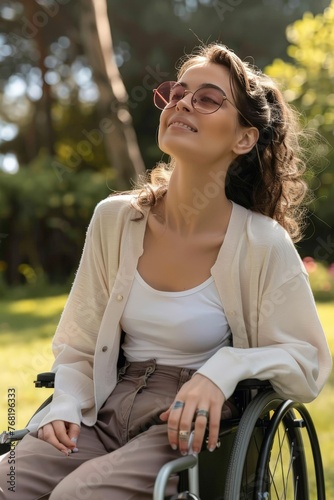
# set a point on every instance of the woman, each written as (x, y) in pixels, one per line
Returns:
(199, 270)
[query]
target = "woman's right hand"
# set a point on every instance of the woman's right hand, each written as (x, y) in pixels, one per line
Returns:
(62, 435)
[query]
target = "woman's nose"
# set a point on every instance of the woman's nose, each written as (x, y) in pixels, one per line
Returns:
(185, 103)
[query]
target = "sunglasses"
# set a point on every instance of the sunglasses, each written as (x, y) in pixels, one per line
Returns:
(207, 99)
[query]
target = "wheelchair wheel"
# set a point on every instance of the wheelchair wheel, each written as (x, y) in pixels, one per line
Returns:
(269, 459)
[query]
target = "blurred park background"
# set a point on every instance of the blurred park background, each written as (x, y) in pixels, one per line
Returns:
(77, 122)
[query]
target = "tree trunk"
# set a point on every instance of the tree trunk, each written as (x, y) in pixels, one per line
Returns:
(43, 118)
(116, 123)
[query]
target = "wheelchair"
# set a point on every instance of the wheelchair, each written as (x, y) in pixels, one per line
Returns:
(266, 453)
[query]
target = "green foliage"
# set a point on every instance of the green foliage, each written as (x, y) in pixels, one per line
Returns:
(308, 85)
(45, 210)
(321, 279)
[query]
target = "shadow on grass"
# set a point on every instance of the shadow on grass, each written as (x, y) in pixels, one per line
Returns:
(30, 319)
(33, 291)
(38, 330)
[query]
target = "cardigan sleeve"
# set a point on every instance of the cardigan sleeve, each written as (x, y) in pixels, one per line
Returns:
(290, 350)
(75, 338)
(275, 324)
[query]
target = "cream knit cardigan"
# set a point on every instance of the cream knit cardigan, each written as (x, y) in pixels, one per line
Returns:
(265, 294)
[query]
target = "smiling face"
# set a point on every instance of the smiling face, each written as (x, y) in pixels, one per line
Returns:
(191, 136)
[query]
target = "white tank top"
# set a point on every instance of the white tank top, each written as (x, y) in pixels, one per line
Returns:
(175, 328)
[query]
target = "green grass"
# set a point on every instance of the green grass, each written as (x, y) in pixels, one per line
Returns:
(322, 408)
(26, 330)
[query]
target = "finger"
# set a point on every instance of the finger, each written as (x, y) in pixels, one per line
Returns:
(73, 432)
(214, 426)
(176, 405)
(174, 414)
(164, 415)
(201, 422)
(50, 437)
(61, 434)
(185, 426)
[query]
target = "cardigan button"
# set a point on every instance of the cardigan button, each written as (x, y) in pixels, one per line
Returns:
(119, 297)
(104, 348)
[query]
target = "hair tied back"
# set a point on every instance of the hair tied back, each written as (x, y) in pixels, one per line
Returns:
(266, 136)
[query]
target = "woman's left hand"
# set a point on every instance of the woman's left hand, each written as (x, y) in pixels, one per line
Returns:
(199, 393)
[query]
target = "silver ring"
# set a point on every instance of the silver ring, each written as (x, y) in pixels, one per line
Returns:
(177, 405)
(183, 435)
(202, 413)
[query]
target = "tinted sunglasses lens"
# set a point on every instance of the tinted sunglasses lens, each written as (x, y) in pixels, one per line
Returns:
(208, 100)
(167, 94)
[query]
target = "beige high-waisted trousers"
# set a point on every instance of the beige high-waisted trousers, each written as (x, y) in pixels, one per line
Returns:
(119, 457)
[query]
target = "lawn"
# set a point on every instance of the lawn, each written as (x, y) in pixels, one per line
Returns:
(26, 329)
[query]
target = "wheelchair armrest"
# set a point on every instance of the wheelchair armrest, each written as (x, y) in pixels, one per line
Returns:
(45, 379)
(253, 383)
(246, 390)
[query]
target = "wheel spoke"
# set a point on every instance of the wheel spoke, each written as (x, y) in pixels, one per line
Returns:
(270, 428)
(286, 469)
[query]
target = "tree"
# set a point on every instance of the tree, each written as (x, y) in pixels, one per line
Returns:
(119, 137)
(308, 85)
(45, 206)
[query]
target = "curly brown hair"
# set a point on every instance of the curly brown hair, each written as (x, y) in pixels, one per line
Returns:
(268, 179)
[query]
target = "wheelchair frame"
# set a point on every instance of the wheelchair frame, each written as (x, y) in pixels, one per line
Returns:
(264, 415)
(247, 447)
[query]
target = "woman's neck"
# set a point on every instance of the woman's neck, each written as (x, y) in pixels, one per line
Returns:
(196, 202)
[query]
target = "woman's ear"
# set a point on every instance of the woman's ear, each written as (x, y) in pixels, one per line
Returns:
(247, 139)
